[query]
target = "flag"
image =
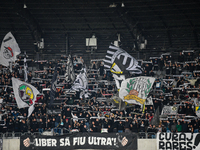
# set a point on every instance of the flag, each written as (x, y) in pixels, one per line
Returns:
(25, 70)
(169, 110)
(9, 50)
(149, 101)
(117, 102)
(135, 90)
(197, 108)
(53, 86)
(81, 82)
(156, 118)
(25, 94)
(120, 62)
(69, 75)
(118, 80)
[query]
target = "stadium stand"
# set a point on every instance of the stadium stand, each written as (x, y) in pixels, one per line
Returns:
(175, 95)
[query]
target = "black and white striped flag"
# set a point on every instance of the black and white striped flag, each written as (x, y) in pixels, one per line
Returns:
(120, 62)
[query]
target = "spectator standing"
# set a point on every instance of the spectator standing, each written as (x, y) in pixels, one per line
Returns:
(179, 127)
(120, 127)
(41, 126)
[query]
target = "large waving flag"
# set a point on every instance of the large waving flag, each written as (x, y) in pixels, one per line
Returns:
(120, 62)
(81, 82)
(53, 86)
(25, 94)
(70, 75)
(118, 80)
(135, 90)
(9, 50)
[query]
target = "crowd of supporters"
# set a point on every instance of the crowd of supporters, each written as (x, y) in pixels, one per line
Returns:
(177, 84)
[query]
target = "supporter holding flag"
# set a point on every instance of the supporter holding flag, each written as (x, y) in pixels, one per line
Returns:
(25, 94)
(53, 86)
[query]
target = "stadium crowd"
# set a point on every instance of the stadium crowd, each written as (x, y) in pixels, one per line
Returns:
(177, 84)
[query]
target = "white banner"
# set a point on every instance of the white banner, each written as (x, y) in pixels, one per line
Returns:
(135, 90)
(178, 141)
(167, 110)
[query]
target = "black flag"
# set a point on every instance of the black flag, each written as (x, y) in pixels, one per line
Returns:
(120, 62)
(156, 118)
(53, 86)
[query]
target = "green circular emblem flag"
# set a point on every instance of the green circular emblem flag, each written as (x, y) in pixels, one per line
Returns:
(26, 94)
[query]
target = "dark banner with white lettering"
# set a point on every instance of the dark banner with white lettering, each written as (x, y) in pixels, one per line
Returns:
(1, 144)
(121, 141)
(178, 141)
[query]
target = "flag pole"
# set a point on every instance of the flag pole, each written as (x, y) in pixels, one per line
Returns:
(120, 104)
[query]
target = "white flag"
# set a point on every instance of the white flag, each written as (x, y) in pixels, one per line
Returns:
(25, 94)
(149, 101)
(25, 70)
(69, 75)
(81, 82)
(135, 90)
(9, 50)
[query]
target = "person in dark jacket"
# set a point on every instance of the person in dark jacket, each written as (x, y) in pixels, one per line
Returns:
(120, 127)
(184, 126)
(127, 125)
(41, 126)
(10, 125)
(142, 127)
(110, 129)
(49, 125)
(23, 126)
(134, 127)
(17, 125)
(34, 125)
(84, 128)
